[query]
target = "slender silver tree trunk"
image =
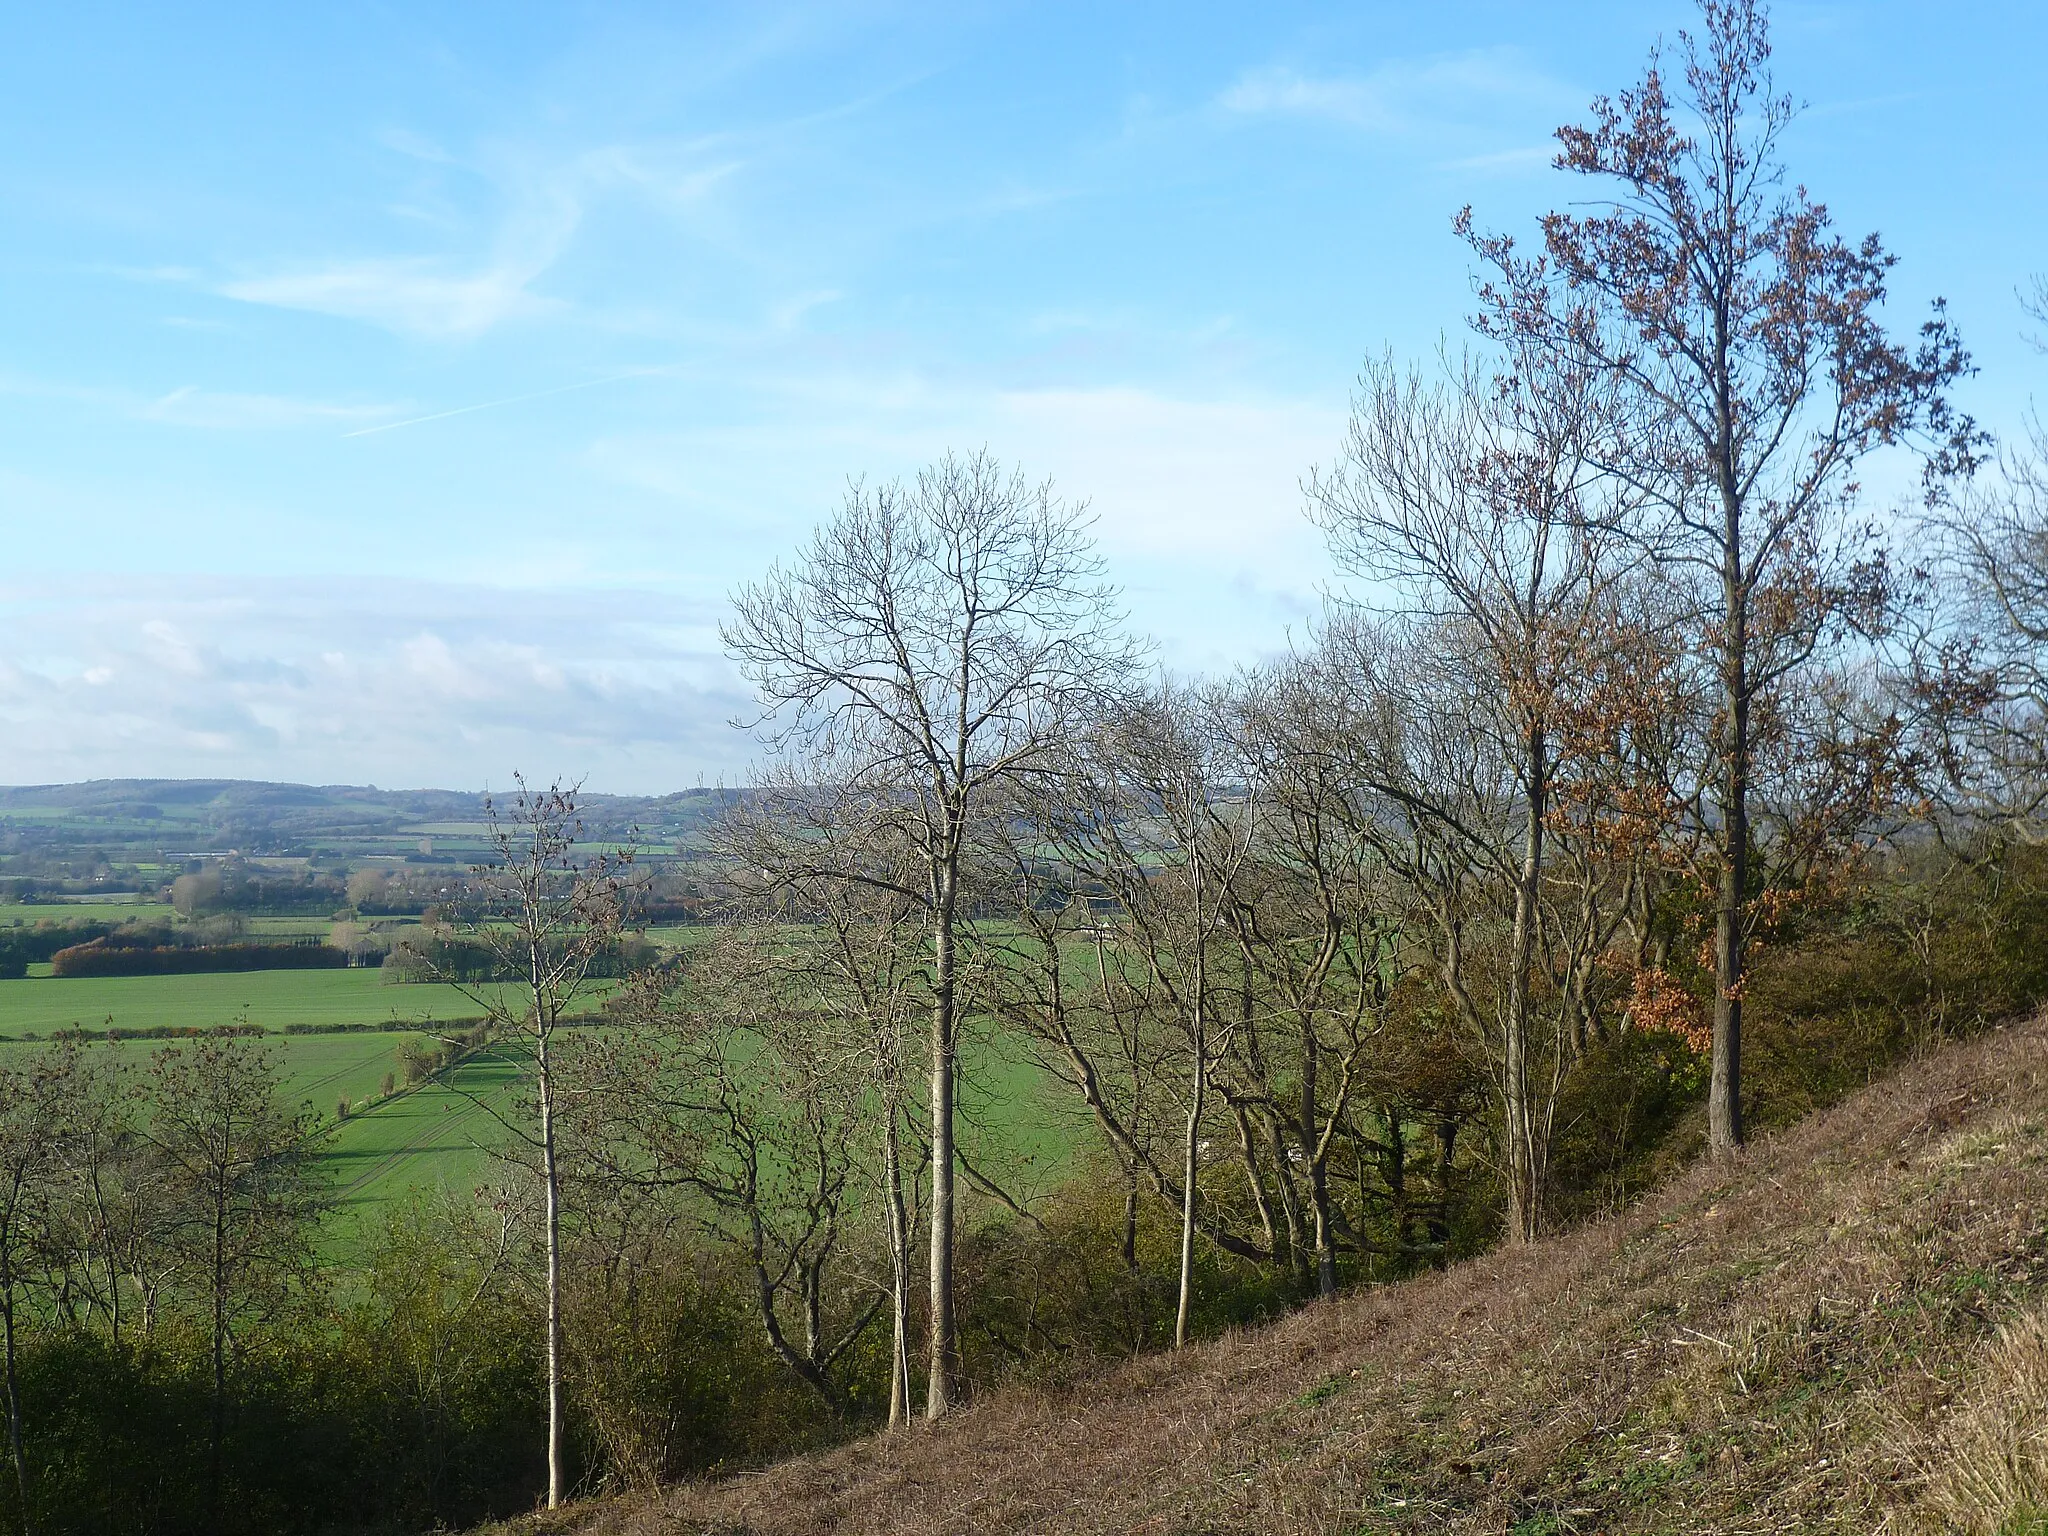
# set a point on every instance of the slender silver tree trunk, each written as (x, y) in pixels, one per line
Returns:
(552, 1179)
(1525, 1195)
(940, 1386)
(899, 1277)
(1189, 1173)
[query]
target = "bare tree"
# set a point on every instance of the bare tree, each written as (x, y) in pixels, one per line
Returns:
(858, 962)
(1987, 680)
(1741, 340)
(933, 641)
(727, 1091)
(1171, 840)
(113, 1196)
(1322, 926)
(1482, 503)
(243, 1191)
(1074, 987)
(547, 911)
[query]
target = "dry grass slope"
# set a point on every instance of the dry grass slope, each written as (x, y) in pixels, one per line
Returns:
(1843, 1331)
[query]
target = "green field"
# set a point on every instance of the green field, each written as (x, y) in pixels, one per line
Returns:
(436, 1136)
(273, 999)
(28, 915)
(317, 1068)
(432, 1136)
(440, 1134)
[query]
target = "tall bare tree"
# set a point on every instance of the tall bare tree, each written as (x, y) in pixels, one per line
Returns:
(852, 953)
(729, 1095)
(932, 641)
(1168, 831)
(1322, 926)
(1742, 339)
(1481, 502)
(548, 910)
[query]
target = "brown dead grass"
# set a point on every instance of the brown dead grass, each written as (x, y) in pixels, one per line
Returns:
(1808, 1338)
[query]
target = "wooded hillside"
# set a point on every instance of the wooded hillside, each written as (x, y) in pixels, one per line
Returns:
(1830, 1334)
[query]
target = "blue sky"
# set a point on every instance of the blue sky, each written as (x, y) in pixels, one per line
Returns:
(393, 393)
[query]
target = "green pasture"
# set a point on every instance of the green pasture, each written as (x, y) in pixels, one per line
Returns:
(318, 1068)
(28, 914)
(272, 999)
(438, 1135)
(441, 1133)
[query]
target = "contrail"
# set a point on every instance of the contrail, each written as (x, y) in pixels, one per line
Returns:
(538, 394)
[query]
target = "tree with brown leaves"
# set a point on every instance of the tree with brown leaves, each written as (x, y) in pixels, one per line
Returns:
(1743, 340)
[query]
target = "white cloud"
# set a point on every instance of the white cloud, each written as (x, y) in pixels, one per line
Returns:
(331, 681)
(1197, 501)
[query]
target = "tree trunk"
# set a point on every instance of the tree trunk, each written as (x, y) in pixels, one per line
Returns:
(1298, 1250)
(1724, 1098)
(1396, 1167)
(940, 1386)
(13, 1384)
(551, 1176)
(1189, 1172)
(1318, 1170)
(1524, 1166)
(1440, 1224)
(899, 1274)
(1255, 1182)
(1127, 1246)
(1326, 1251)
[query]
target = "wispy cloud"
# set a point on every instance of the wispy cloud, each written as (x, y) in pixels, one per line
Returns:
(1403, 97)
(487, 405)
(461, 296)
(191, 407)
(1197, 500)
(415, 295)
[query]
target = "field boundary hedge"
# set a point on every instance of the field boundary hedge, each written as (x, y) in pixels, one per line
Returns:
(101, 959)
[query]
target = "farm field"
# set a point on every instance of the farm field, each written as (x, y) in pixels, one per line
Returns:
(318, 1068)
(439, 1135)
(27, 915)
(434, 1135)
(273, 999)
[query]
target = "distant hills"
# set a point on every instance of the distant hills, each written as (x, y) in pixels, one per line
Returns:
(86, 832)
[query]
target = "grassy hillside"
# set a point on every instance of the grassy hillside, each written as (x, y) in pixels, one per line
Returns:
(1842, 1331)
